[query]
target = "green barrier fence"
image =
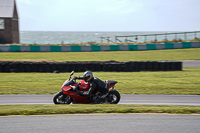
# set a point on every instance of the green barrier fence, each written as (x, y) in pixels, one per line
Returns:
(75, 48)
(54, 48)
(114, 47)
(14, 48)
(35, 48)
(133, 47)
(186, 44)
(169, 45)
(151, 46)
(84, 48)
(96, 47)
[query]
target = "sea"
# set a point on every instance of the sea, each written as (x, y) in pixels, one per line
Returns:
(72, 37)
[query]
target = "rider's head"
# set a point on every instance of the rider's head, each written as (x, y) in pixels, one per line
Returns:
(87, 76)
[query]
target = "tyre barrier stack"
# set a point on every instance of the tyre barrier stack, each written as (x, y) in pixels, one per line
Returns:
(106, 66)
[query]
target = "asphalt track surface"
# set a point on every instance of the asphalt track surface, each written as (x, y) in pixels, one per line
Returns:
(125, 99)
(191, 63)
(101, 123)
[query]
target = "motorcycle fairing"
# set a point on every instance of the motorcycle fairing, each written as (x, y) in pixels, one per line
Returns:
(84, 86)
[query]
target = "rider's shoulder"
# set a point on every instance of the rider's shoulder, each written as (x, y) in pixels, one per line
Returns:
(95, 78)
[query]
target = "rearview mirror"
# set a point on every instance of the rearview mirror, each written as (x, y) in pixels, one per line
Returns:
(72, 73)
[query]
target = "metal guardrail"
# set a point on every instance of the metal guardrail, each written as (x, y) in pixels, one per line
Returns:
(116, 39)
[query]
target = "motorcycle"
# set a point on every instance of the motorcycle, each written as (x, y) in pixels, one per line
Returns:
(68, 93)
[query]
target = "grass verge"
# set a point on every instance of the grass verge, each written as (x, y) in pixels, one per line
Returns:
(151, 55)
(88, 109)
(184, 82)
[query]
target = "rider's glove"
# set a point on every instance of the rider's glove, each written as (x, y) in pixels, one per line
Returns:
(73, 88)
(74, 78)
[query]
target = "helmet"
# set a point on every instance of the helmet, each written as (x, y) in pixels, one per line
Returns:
(87, 76)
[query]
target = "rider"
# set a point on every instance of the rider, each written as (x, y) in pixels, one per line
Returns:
(96, 85)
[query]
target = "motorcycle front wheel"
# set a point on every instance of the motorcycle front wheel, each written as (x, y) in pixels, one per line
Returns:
(61, 98)
(113, 97)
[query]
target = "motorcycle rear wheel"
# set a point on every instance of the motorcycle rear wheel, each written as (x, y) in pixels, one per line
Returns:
(113, 96)
(61, 98)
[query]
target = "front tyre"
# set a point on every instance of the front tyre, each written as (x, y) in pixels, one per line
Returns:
(113, 97)
(61, 98)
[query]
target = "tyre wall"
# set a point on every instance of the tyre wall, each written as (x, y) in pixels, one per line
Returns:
(88, 48)
(107, 66)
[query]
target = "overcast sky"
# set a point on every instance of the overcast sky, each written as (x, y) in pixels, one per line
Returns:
(109, 15)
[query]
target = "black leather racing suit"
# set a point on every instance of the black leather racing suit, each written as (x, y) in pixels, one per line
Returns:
(96, 85)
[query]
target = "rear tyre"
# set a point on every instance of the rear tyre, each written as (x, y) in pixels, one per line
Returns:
(61, 98)
(113, 97)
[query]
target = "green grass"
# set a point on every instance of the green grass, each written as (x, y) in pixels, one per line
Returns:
(186, 82)
(88, 109)
(152, 55)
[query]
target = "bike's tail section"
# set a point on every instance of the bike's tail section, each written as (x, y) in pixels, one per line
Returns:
(111, 83)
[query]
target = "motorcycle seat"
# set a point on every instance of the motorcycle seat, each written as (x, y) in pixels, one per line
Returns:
(110, 82)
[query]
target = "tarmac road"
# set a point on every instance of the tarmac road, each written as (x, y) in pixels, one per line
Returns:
(103, 123)
(191, 63)
(125, 99)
